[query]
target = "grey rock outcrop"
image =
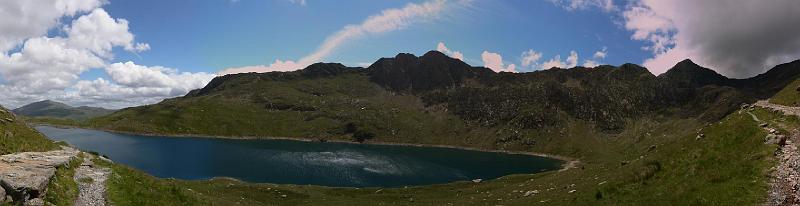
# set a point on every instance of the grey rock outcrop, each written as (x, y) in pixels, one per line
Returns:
(24, 176)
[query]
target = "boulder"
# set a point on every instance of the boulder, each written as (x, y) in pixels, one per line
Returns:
(2, 195)
(26, 175)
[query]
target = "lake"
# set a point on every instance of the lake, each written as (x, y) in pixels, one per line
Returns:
(299, 162)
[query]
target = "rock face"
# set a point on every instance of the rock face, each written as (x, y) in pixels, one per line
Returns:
(434, 70)
(24, 176)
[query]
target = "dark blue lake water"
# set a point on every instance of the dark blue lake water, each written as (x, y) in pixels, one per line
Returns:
(298, 162)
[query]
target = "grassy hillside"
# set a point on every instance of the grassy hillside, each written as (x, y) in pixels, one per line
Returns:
(652, 162)
(57, 110)
(16, 136)
(789, 96)
(335, 107)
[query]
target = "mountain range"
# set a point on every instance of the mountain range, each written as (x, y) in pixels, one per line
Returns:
(53, 109)
(435, 99)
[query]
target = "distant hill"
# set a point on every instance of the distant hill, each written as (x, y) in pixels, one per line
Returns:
(435, 99)
(53, 109)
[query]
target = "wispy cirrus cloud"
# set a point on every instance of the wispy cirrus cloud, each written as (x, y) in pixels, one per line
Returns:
(386, 21)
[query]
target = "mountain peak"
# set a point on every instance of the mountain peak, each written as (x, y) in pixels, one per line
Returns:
(432, 70)
(688, 74)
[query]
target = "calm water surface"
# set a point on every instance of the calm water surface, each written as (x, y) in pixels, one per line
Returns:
(297, 162)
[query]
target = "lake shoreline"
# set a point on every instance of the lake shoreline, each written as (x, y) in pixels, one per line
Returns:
(568, 161)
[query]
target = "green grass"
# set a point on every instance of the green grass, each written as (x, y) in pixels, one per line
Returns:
(16, 136)
(62, 189)
(303, 108)
(789, 95)
(126, 186)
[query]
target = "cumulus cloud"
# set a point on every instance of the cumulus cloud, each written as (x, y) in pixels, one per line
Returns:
(386, 21)
(495, 62)
(49, 67)
(571, 5)
(738, 38)
(455, 54)
(98, 32)
(601, 54)
(530, 58)
(24, 19)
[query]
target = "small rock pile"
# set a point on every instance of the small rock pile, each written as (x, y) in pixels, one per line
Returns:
(24, 176)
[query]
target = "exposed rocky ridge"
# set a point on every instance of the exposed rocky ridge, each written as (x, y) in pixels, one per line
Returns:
(434, 70)
(508, 104)
(24, 176)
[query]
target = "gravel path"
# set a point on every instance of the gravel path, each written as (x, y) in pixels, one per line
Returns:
(91, 183)
(785, 180)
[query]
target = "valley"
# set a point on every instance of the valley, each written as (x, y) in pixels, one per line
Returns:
(637, 139)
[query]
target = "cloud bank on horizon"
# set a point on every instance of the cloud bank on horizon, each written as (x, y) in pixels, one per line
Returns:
(47, 45)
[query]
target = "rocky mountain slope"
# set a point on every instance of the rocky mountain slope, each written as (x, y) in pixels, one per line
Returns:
(53, 109)
(435, 99)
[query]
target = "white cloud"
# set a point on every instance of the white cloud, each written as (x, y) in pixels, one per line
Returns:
(530, 57)
(554, 62)
(24, 19)
(572, 5)
(46, 64)
(132, 75)
(738, 38)
(301, 2)
(590, 63)
(386, 21)
(571, 61)
(601, 54)
(277, 66)
(454, 54)
(49, 67)
(495, 62)
(98, 32)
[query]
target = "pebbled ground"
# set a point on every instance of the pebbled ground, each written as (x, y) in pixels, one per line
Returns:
(91, 183)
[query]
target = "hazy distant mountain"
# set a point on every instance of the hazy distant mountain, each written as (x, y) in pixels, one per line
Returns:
(53, 109)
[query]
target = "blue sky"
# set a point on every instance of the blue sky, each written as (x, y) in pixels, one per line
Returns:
(213, 35)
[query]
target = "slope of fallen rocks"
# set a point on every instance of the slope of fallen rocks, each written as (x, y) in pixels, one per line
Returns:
(91, 183)
(785, 178)
(24, 176)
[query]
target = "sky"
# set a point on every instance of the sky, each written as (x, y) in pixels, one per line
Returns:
(122, 53)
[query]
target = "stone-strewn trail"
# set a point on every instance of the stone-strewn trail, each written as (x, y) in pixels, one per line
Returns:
(91, 183)
(785, 180)
(24, 176)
